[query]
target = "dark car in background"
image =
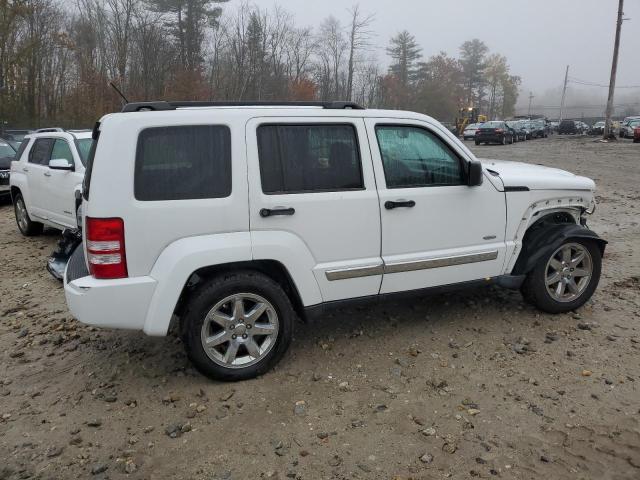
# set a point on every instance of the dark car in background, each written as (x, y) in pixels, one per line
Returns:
(539, 129)
(7, 155)
(568, 127)
(495, 131)
(518, 130)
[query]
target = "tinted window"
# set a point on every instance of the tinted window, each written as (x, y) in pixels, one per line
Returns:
(309, 158)
(179, 163)
(6, 150)
(60, 150)
(415, 157)
(40, 151)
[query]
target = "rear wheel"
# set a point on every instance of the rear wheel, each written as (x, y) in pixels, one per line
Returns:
(238, 325)
(566, 279)
(26, 226)
(477, 142)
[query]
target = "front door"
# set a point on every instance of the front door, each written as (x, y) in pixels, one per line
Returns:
(313, 195)
(60, 186)
(436, 230)
(36, 170)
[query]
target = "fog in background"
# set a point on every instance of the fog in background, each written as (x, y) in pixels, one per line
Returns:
(540, 38)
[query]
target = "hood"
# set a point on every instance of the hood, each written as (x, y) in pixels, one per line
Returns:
(537, 177)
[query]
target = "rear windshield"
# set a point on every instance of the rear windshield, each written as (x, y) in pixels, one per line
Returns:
(6, 150)
(491, 125)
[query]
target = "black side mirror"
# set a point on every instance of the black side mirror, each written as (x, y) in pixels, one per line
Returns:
(475, 174)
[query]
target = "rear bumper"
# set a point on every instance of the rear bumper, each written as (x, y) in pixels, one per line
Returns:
(121, 303)
(489, 138)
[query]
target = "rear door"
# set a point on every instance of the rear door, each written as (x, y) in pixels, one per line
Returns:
(312, 190)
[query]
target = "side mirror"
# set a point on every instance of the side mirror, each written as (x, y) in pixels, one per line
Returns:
(475, 174)
(60, 164)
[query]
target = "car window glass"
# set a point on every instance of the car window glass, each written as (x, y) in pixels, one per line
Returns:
(40, 151)
(415, 157)
(6, 150)
(84, 147)
(185, 162)
(308, 158)
(61, 150)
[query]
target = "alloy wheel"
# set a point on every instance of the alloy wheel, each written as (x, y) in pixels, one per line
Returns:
(240, 330)
(21, 215)
(568, 272)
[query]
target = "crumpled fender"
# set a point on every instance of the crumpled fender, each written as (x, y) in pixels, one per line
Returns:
(540, 242)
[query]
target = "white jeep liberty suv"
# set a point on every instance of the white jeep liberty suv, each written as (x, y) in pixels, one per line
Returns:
(235, 219)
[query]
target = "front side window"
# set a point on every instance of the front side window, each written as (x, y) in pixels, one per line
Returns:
(415, 157)
(309, 158)
(185, 162)
(41, 150)
(61, 150)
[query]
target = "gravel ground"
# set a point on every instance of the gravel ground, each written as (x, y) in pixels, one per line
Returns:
(430, 389)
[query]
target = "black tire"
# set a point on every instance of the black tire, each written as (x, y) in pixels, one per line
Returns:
(27, 227)
(477, 142)
(534, 288)
(217, 289)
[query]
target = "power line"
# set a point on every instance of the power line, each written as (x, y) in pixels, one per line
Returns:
(594, 84)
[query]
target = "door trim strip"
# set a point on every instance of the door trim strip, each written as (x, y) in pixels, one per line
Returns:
(369, 270)
(440, 262)
(354, 272)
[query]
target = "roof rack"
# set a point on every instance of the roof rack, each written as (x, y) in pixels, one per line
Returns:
(50, 129)
(162, 105)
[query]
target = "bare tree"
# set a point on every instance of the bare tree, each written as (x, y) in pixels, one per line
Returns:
(359, 39)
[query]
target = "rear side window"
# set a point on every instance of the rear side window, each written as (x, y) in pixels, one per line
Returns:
(309, 158)
(40, 151)
(181, 163)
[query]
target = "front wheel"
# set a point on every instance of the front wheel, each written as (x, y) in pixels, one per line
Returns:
(238, 325)
(27, 227)
(566, 279)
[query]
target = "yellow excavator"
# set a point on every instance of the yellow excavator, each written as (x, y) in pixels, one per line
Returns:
(467, 116)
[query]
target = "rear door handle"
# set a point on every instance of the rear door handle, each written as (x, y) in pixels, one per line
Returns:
(271, 212)
(47, 174)
(390, 205)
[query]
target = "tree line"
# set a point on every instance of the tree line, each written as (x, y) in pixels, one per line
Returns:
(56, 62)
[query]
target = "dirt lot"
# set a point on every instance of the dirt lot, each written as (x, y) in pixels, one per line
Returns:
(432, 389)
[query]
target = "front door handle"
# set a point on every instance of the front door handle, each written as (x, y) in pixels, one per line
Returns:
(47, 174)
(390, 205)
(271, 212)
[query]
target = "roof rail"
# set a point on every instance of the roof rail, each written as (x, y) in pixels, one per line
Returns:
(50, 129)
(162, 105)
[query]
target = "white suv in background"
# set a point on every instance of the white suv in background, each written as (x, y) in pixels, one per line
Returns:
(233, 220)
(46, 179)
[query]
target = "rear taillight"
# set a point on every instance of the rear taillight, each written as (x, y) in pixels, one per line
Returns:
(105, 247)
(499, 130)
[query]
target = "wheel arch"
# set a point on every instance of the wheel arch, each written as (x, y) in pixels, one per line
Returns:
(546, 234)
(271, 268)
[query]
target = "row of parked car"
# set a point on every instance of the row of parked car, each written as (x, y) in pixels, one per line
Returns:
(628, 128)
(506, 132)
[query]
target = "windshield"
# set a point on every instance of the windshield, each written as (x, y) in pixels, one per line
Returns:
(599, 124)
(84, 145)
(6, 150)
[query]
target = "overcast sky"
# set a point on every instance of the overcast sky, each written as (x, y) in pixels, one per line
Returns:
(539, 37)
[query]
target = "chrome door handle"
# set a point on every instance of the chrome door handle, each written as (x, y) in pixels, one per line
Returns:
(390, 205)
(47, 174)
(271, 212)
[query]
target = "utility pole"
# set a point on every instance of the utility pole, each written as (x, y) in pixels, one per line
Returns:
(614, 68)
(564, 92)
(531, 97)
